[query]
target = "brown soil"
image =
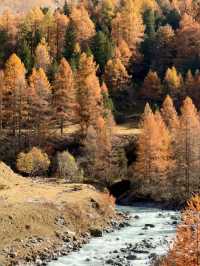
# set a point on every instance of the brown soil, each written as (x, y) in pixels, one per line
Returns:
(45, 210)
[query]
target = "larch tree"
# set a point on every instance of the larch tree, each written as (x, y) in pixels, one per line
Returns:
(89, 92)
(128, 25)
(170, 115)
(15, 94)
(187, 150)
(173, 83)
(39, 103)
(64, 95)
(85, 28)
(187, 44)
(152, 89)
(123, 52)
(116, 76)
(42, 57)
(153, 156)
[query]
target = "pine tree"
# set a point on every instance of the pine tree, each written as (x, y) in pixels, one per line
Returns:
(42, 57)
(66, 9)
(102, 49)
(24, 52)
(163, 52)
(187, 149)
(151, 89)
(64, 95)
(15, 96)
(173, 82)
(70, 42)
(170, 115)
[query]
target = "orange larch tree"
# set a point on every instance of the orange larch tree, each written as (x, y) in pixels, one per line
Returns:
(64, 95)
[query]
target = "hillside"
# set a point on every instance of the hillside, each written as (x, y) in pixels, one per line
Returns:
(23, 5)
(36, 217)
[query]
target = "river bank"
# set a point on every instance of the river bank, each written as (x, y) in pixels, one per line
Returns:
(148, 237)
(41, 221)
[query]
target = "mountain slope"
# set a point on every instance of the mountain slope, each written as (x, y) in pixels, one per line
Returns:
(24, 5)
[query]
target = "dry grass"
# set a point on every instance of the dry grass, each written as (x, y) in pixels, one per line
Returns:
(30, 208)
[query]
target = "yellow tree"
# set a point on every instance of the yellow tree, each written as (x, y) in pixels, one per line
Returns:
(39, 102)
(187, 149)
(42, 57)
(64, 95)
(15, 93)
(170, 115)
(128, 25)
(84, 26)
(151, 89)
(154, 153)
(116, 76)
(89, 92)
(173, 82)
(123, 52)
(2, 93)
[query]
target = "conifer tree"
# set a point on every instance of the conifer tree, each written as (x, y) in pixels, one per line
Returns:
(89, 92)
(187, 53)
(64, 95)
(163, 51)
(15, 96)
(187, 149)
(170, 115)
(173, 82)
(128, 25)
(84, 26)
(154, 153)
(116, 76)
(2, 92)
(42, 57)
(39, 103)
(123, 52)
(151, 89)
(102, 49)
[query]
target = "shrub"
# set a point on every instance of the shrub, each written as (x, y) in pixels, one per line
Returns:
(35, 162)
(68, 168)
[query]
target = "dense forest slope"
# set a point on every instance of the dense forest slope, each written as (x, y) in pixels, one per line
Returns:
(23, 5)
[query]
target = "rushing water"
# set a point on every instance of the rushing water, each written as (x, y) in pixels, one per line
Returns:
(112, 245)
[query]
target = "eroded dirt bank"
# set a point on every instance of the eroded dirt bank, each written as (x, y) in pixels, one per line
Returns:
(40, 221)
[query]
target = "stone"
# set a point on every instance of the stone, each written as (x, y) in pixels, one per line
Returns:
(95, 232)
(131, 257)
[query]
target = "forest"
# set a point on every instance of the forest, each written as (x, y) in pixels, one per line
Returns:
(90, 65)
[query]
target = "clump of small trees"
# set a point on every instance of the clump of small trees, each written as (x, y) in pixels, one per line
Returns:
(33, 163)
(67, 167)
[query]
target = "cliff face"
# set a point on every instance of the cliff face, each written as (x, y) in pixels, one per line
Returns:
(24, 5)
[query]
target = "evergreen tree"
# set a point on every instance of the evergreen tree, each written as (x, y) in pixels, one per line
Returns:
(102, 49)
(24, 52)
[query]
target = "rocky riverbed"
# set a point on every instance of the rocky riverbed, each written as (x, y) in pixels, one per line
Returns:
(140, 241)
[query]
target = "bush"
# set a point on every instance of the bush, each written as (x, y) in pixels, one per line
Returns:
(35, 162)
(68, 168)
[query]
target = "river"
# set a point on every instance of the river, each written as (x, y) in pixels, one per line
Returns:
(131, 246)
